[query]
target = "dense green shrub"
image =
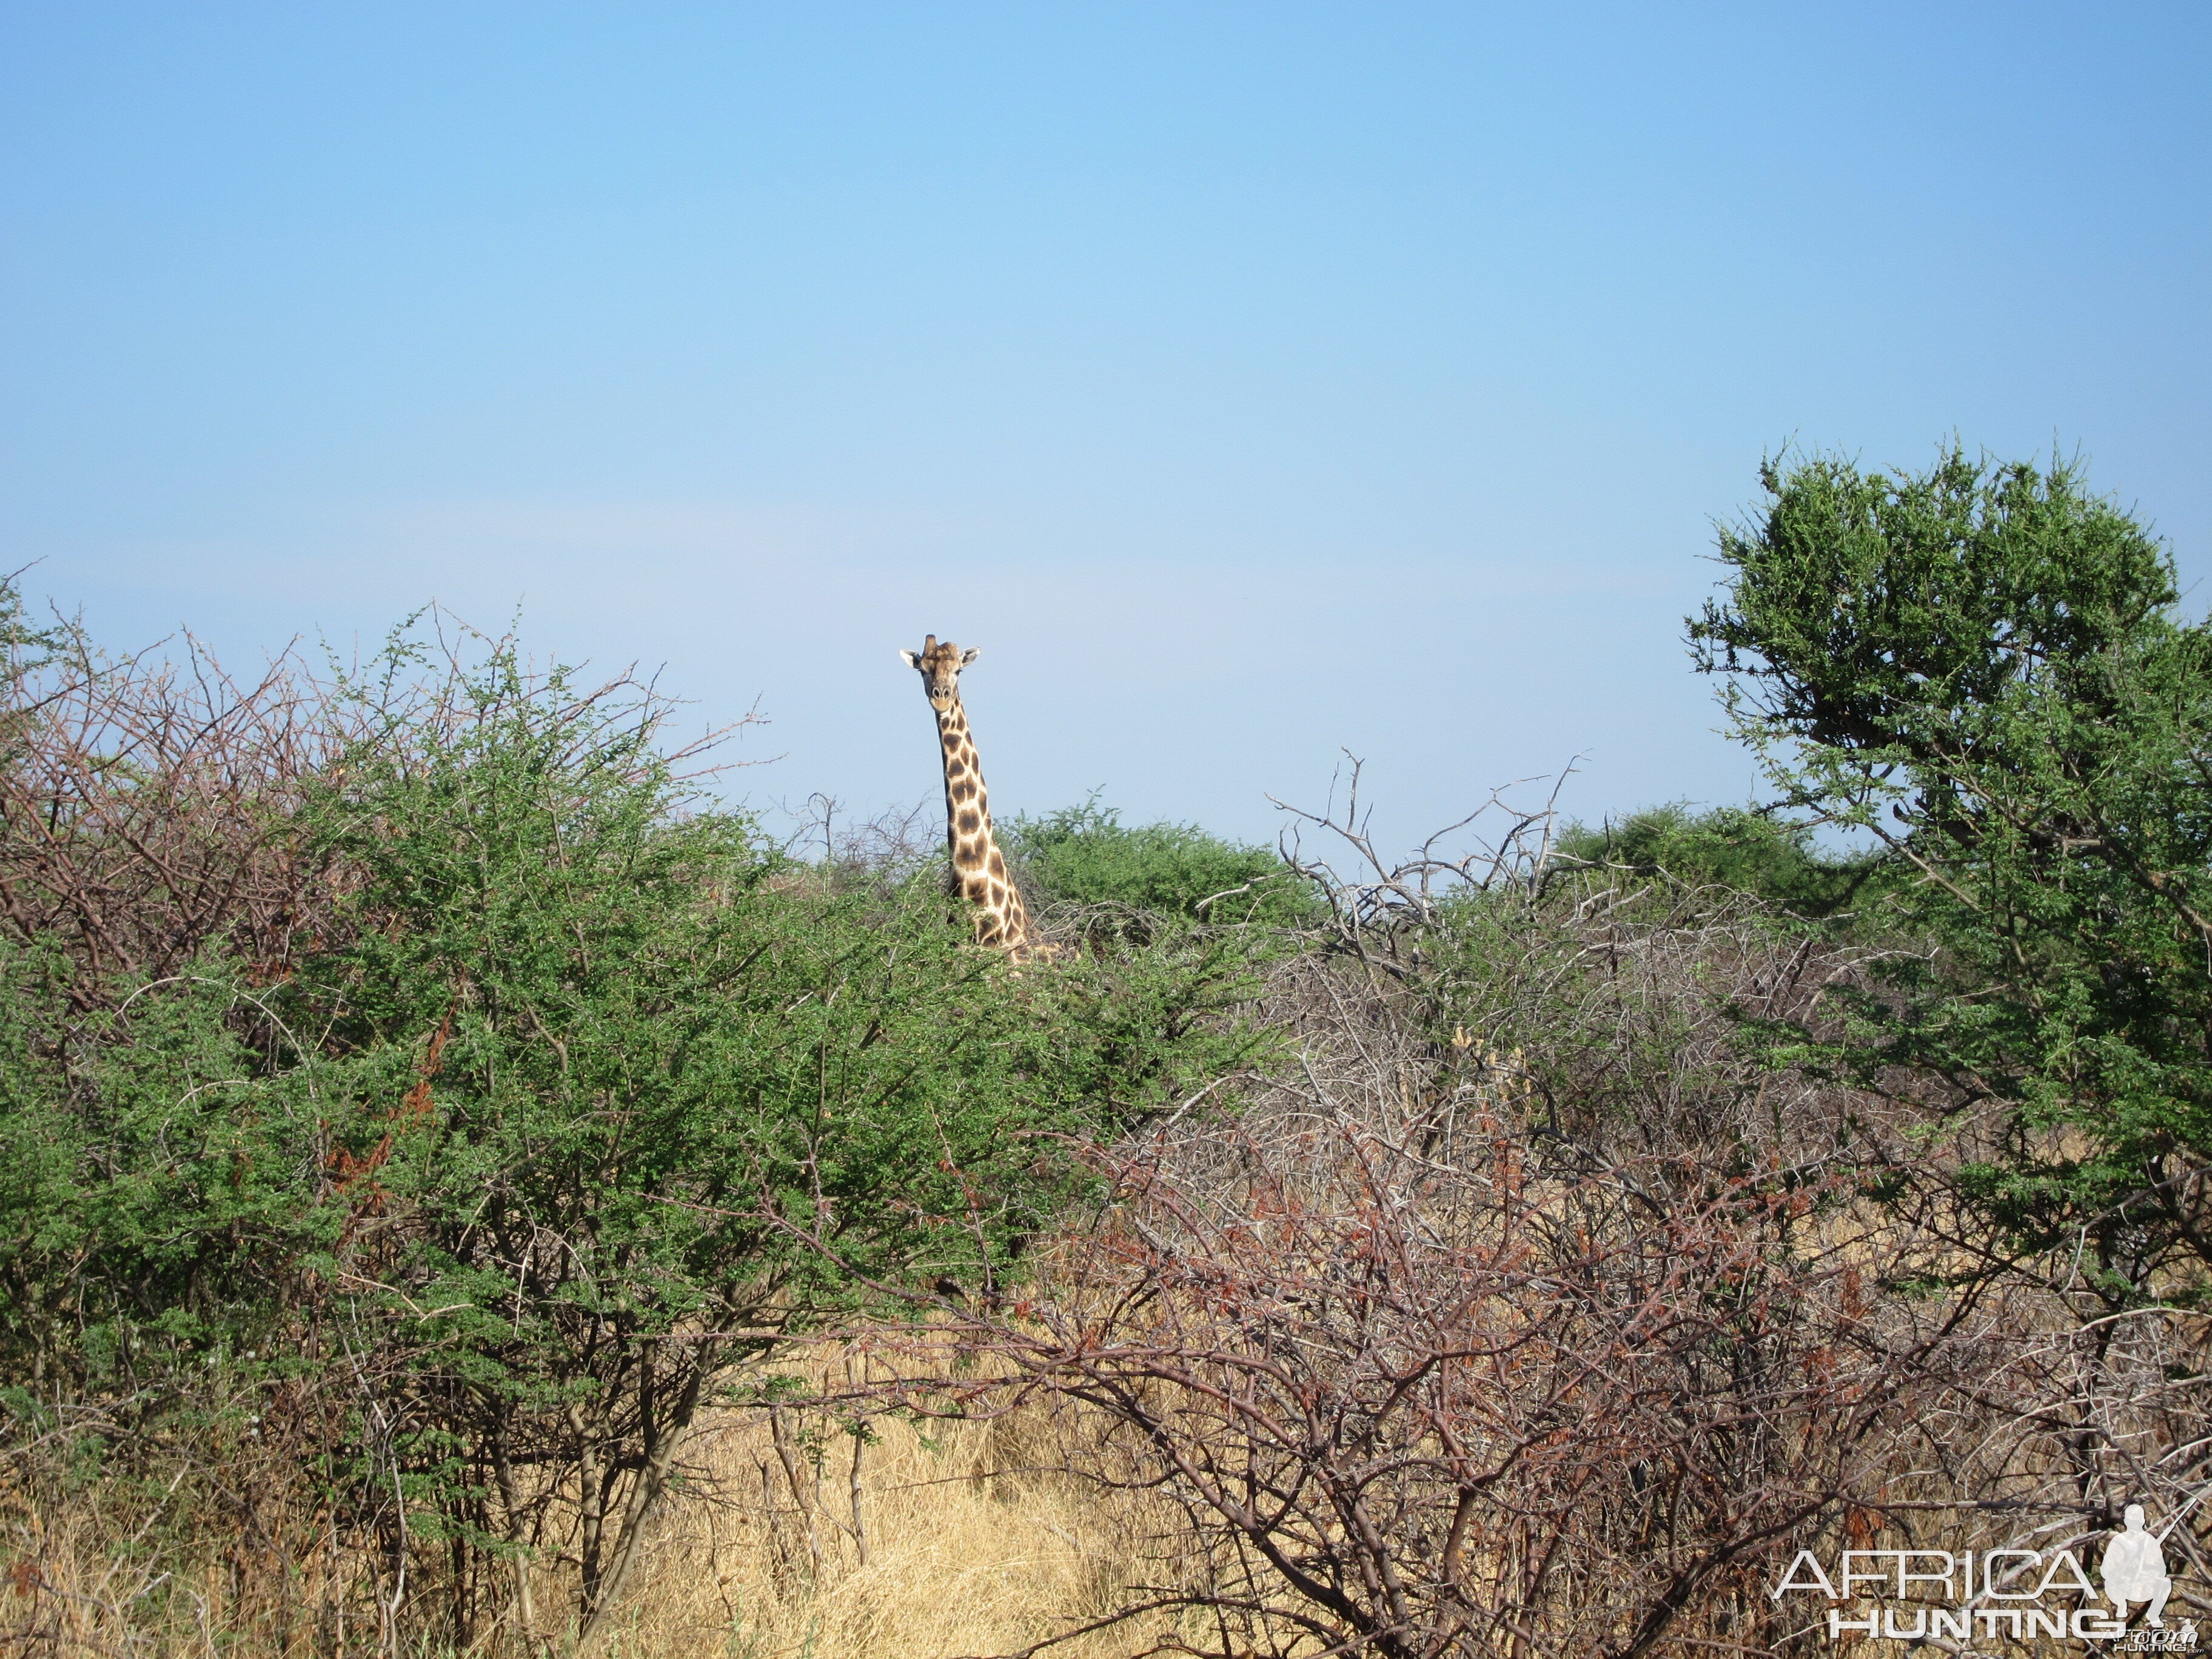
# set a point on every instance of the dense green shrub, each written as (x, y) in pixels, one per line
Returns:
(1727, 847)
(1985, 667)
(1085, 855)
(577, 1098)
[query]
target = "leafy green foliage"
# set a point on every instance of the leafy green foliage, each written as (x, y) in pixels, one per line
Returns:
(1085, 855)
(1984, 666)
(1727, 847)
(581, 1097)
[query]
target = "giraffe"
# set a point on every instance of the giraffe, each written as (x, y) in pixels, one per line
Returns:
(979, 869)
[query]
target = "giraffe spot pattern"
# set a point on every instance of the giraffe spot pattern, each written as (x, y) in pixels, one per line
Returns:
(979, 869)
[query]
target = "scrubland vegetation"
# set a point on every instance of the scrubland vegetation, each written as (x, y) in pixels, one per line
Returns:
(465, 1191)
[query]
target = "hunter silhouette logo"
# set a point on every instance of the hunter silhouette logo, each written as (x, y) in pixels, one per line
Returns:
(1928, 1595)
(2135, 1569)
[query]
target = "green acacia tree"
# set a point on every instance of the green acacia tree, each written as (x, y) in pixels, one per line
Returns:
(581, 1100)
(636, 1097)
(1984, 666)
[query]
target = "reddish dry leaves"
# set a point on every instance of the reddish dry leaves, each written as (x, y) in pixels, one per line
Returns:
(145, 813)
(1406, 1412)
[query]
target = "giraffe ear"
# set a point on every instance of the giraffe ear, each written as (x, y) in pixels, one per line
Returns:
(909, 660)
(969, 655)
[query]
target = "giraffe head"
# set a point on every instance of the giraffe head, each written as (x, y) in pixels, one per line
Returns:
(939, 666)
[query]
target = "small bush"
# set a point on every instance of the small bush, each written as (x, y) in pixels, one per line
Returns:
(1085, 855)
(1727, 847)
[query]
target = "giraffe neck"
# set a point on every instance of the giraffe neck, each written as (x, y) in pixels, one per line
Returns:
(978, 870)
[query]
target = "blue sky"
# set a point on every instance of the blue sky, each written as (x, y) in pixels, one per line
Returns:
(1249, 382)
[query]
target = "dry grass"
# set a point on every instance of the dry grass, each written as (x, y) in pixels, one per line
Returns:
(973, 1546)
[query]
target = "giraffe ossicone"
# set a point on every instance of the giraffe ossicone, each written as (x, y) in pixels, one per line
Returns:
(978, 872)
